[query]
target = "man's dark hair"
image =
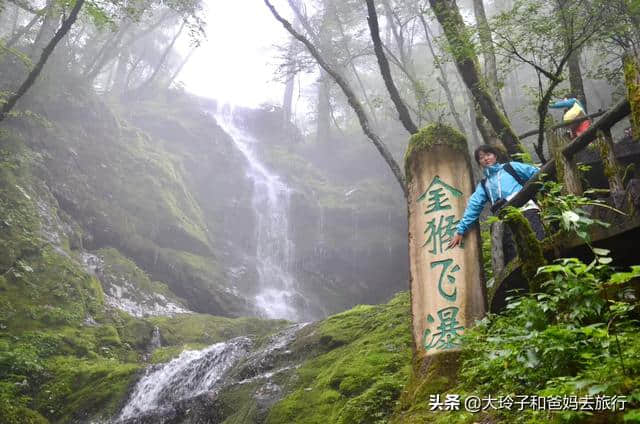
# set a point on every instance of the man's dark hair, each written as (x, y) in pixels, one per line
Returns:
(487, 148)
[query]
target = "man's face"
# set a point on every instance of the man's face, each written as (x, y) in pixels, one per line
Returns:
(486, 159)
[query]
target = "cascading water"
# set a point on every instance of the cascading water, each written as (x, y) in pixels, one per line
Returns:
(188, 375)
(277, 294)
(165, 389)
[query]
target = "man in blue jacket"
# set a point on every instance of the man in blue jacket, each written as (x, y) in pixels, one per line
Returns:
(502, 181)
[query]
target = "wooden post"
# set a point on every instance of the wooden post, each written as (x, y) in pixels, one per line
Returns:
(566, 168)
(447, 292)
(611, 167)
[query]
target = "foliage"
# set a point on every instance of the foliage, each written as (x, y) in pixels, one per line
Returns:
(576, 336)
(569, 213)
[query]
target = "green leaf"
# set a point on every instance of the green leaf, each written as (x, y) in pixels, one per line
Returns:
(600, 252)
(623, 277)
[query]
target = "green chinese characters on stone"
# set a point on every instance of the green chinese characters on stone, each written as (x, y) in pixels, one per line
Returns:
(451, 280)
(440, 229)
(435, 194)
(446, 333)
(441, 234)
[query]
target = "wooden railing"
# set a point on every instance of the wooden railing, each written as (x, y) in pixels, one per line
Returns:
(564, 167)
(602, 125)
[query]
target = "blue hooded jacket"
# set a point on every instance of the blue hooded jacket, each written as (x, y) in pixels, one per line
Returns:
(500, 185)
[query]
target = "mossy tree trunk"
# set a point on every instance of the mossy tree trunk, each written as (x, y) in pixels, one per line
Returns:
(466, 60)
(575, 78)
(527, 245)
(566, 168)
(612, 169)
(631, 65)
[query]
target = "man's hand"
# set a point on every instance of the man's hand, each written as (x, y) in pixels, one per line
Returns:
(455, 241)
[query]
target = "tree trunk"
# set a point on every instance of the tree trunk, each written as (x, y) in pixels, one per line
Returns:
(108, 50)
(354, 71)
(179, 69)
(631, 66)
(351, 97)
(120, 78)
(33, 75)
(486, 131)
(575, 74)
(287, 101)
(163, 58)
(47, 29)
(464, 56)
(22, 31)
(612, 168)
(323, 122)
(443, 75)
(566, 168)
(403, 112)
(575, 78)
(488, 52)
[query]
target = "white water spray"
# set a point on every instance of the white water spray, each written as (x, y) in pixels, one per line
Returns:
(188, 375)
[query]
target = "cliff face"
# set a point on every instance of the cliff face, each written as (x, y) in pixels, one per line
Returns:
(162, 183)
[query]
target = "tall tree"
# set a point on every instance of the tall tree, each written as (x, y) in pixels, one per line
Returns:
(351, 98)
(466, 60)
(567, 21)
(530, 33)
(35, 72)
(488, 52)
(403, 112)
(444, 79)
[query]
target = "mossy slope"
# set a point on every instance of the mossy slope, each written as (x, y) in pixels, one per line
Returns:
(362, 363)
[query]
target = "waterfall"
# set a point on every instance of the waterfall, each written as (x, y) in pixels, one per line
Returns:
(190, 374)
(165, 389)
(277, 293)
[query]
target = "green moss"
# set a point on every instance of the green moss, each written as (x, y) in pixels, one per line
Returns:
(80, 388)
(207, 329)
(528, 247)
(433, 134)
(632, 78)
(487, 264)
(363, 361)
(431, 375)
(14, 408)
(165, 354)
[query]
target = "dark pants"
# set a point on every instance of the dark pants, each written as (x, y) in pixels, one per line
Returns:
(509, 245)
